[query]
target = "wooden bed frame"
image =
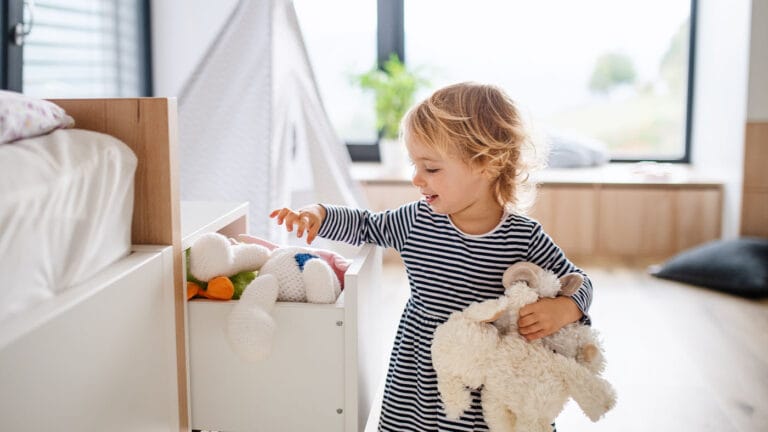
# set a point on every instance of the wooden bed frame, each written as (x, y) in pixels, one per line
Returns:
(110, 354)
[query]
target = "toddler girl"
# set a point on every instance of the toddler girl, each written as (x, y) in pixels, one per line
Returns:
(468, 147)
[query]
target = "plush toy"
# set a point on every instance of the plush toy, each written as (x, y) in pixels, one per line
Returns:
(294, 274)
(220, 270)
(525, 385)
(338, 263)
(577, 341)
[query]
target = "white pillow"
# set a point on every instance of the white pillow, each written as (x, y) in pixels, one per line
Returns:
(25, 117)
(567, 150)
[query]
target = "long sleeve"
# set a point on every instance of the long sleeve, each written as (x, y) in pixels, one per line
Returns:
(543, 252)
(389, 228)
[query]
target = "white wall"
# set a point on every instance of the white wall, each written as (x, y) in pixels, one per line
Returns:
(182, 31)
(720, 99)
(757, 107)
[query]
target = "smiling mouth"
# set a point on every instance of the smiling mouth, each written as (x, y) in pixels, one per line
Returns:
(430, 198)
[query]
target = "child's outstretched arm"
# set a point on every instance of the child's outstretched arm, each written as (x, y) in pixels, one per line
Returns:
(307, 219)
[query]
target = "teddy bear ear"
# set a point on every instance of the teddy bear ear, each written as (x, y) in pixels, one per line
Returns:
(522, 272)
(570, 283)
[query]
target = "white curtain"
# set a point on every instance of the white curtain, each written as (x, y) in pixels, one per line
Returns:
(252, 126)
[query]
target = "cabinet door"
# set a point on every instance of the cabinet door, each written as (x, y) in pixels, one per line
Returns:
(754, 213)
(698, 217)
(567, 214)
(636, 222)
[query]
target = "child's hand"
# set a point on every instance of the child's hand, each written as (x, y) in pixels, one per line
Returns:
(307, 219)
(546, 316)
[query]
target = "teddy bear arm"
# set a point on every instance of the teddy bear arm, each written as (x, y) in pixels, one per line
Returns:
(594, 395)
(497, 414)
(455, 395)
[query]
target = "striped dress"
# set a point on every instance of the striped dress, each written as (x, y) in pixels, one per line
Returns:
(447, 270)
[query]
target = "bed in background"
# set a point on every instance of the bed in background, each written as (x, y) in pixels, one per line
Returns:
(108, 353)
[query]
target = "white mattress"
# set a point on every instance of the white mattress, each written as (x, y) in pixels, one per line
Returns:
(66, 203)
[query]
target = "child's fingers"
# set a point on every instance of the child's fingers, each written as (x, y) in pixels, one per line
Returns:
(533, 336)
(312, 234)
(290, 220)
(280, 214)
(302, 222)
(527, 320)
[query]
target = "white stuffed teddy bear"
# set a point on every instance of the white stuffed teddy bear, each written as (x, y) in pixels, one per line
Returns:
(293, 274)
(525, 384)
(574, 340)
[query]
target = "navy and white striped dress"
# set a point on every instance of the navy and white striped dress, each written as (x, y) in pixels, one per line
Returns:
(447, 270)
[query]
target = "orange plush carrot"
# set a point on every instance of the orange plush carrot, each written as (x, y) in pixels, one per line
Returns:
(192, 289)
(219, 288)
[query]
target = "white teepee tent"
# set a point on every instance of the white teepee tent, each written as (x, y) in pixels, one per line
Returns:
(252, 126)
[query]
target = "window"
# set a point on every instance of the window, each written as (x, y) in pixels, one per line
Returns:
(339, 48)
(83, 48)
(614, 71)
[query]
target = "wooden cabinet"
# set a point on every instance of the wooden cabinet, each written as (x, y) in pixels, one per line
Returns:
(698, 216)
(603, 220)
(754, 208)
(635, 221)
(568, 214)
(605, 212)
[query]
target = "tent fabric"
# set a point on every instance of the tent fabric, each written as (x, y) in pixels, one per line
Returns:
(252, 126)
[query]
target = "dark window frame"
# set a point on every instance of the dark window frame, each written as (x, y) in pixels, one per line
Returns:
(11, 59)
(391, 39)
(12, 56)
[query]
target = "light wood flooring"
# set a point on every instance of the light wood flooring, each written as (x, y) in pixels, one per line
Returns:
(681, 358)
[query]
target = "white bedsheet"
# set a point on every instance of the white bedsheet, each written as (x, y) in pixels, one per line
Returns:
(66, 203)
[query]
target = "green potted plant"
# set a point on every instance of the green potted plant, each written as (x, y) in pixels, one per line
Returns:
(394, 87)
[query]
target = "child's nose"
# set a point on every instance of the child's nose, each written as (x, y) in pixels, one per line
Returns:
(416, 179)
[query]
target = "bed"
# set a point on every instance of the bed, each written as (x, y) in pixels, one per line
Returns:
(104, 350)
(108, 351)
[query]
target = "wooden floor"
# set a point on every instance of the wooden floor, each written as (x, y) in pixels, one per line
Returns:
(681, 358)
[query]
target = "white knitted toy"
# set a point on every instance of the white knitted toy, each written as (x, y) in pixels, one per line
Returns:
(524, 384)
(291, 274)
(213, 255)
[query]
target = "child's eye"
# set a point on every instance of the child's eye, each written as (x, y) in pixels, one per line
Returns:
(432, 170)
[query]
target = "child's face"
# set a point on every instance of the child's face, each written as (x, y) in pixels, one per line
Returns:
(449, 185)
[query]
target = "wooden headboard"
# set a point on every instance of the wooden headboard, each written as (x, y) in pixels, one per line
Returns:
(149, 127)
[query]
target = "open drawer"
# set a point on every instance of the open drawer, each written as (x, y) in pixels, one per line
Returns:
(325, 365)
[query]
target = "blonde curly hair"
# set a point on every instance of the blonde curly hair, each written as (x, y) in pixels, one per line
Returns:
(481, 125)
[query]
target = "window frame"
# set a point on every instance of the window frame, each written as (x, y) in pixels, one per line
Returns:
(391, 39)
(12, 56)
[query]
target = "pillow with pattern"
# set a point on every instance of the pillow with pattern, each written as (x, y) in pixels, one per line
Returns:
(22, 117)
